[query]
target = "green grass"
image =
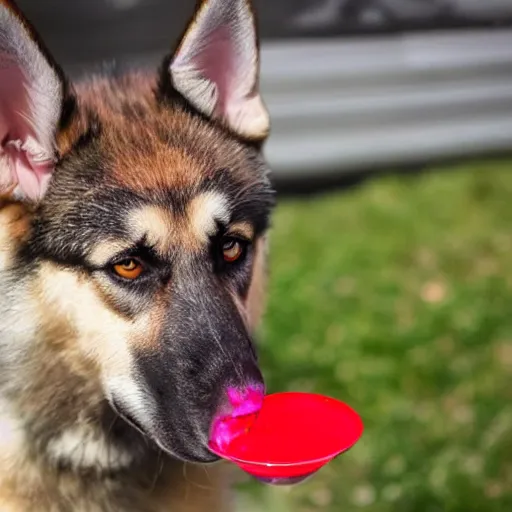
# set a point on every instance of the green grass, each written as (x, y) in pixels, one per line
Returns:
(397, 298)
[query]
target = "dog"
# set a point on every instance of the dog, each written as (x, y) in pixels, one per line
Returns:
(134, 214)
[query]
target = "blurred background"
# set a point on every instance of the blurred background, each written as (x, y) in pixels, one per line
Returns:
(390, 290)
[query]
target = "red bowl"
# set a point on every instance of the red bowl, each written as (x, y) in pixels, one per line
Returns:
(291, 437)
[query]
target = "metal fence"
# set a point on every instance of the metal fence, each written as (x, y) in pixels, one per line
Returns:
(340, 105)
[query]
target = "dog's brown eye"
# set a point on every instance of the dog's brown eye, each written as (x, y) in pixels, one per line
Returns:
(129, 268)
(231, 250)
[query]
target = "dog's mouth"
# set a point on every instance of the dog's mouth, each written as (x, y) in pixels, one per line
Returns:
(205, 455)
(128, 418)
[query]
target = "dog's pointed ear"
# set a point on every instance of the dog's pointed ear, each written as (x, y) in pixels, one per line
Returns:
(32, 93)
(216, 67)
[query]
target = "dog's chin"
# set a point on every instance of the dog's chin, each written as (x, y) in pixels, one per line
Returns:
(189, 450)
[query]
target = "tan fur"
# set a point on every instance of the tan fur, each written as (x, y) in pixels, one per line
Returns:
(243, 229)
(104, 251)
(14, 217)
(142, 161)
(171, 487)
(157, 224)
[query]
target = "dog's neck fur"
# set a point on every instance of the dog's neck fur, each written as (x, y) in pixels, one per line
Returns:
(66, 423)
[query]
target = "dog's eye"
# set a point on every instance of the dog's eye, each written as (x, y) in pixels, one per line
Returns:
(232, 250)
(129, 268)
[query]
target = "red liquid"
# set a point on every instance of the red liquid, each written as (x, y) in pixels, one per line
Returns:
(294, 435)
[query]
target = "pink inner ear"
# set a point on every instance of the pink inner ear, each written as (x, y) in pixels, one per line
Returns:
(216, 64)
(13, 100)
(29, 166)
(30, 169)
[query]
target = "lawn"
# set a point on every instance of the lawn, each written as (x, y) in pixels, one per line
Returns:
(396, 297)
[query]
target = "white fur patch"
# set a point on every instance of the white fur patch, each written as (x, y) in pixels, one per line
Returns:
(131, 396)
(20, 321)
(153, 223)
(205, 211)
(12, 437)
(85, 448)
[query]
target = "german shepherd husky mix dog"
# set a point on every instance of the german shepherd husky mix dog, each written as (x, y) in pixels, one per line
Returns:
(133, 223)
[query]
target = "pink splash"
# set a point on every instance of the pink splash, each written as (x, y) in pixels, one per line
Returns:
(244, 406)
(245, 401)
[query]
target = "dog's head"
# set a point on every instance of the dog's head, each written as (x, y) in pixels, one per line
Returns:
(144, 260)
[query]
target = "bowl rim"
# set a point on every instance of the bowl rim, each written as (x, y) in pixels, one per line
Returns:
(321, 461)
